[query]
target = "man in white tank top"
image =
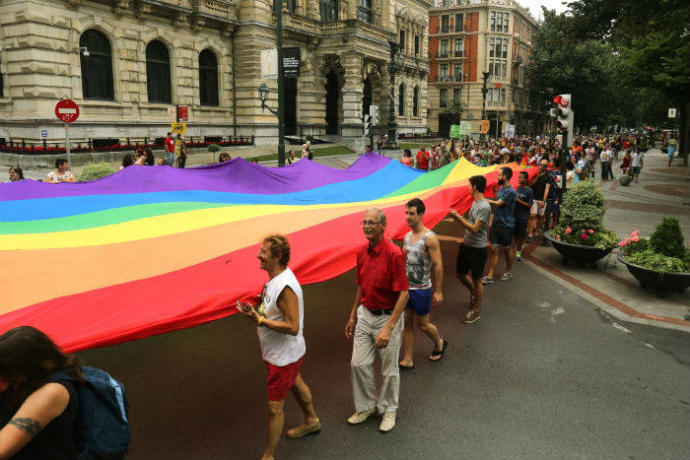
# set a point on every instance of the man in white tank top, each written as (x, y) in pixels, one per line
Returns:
(280, 320)
(423, 251)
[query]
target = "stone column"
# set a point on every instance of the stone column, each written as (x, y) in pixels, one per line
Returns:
(352, 128)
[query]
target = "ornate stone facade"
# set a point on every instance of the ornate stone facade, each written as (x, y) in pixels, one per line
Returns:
(345, 57)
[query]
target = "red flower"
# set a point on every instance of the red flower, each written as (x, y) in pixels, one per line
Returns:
(583, 236)
(568, 230)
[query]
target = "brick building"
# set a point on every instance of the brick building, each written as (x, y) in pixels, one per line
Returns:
(467, 38)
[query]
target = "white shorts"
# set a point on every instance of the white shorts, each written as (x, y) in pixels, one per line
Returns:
(536, 210)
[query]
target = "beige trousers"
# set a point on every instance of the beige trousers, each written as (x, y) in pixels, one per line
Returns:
(363, 351)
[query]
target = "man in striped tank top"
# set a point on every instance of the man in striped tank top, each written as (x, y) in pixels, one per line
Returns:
(423, 251)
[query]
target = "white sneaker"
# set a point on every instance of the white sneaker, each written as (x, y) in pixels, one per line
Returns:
(359, 417)
(506, 276)
(387, 423)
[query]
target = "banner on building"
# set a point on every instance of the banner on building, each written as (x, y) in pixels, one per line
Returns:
(485, 126)
(291, 61)
(269, 64)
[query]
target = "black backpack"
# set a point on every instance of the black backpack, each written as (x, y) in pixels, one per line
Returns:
(102, 431)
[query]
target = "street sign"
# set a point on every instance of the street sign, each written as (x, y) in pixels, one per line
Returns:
(182, 113)
(485, 126)
(672, 113)
(178, 128)
(44, 133)
(67, 110)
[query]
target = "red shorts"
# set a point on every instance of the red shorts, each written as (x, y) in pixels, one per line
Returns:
(281, 379)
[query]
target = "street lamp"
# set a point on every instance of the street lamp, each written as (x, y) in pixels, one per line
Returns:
(263, 96)
(393, 67)
(485, 77)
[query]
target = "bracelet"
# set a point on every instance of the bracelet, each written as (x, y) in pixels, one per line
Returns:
(260, 321)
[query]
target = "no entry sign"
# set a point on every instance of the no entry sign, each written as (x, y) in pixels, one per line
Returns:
(67, 110)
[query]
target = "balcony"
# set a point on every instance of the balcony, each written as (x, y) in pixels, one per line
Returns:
(459, 54)
(447, 79)
(220, 10)
(442, 55)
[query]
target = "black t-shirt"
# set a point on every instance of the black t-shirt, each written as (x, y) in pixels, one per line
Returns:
(57, 440)
(539, 186)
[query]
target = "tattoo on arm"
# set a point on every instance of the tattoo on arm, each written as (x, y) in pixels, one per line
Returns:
(29, 425)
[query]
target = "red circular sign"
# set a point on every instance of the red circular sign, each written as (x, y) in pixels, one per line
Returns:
(67, 110)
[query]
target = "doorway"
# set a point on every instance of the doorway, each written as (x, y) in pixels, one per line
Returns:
(290, 106)
(332, 103)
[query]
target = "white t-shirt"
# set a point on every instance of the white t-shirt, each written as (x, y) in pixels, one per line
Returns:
(637, 158)
(54, 177)
(278, 348)
(605, 155)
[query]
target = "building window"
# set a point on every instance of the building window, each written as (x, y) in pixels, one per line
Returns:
(496, 97)
(498, 57)
(443, 51)
(415, 102)
(402, 40)
(459, 47)
(96, 66)
(457, 71)
(456, 96)
(459, 24)
(443, 71)
(445, 2)
(445, 24)
(499, 21)
(2, 83)
(208, 78)
(443, 97)
(329, 10)
(158, 72)
(291, 5)
(364, 10)
(416, 45)
(401, 100)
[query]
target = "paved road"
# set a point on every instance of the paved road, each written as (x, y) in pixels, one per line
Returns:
(543, 374)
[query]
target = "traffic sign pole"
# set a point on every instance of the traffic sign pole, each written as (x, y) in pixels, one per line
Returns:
(67, 147)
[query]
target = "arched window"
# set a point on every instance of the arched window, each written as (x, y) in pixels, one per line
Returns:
(158, 72)
(415, 102)
(401, 100)
(96, 66)
(208, 78)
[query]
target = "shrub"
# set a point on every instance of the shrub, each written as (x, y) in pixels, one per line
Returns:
(93, 171)
(583, 207)
(667, 239)
(659, 262)
(213, 148)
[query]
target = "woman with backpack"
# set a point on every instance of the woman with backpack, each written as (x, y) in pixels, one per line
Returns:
(37, 411)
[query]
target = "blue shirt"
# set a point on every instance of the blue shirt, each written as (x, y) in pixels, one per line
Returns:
(527, 195)
(504, 214)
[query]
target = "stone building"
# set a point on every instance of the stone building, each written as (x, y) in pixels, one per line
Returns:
(467, 38)
(130, 63)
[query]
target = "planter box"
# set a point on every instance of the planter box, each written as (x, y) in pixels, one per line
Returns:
(670, 282)
(576, 252)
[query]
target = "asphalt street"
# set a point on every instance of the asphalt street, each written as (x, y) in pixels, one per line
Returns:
(543, 374)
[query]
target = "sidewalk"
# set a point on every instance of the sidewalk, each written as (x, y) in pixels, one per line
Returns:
(661, 192)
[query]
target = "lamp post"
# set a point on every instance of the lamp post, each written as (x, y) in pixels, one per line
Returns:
(263, 89)
(485, 78)
(393, 68)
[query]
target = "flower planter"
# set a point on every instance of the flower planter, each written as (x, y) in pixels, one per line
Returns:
(669, 282)
(576, 252)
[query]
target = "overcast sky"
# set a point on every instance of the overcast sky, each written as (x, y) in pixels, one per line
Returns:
(535, 6)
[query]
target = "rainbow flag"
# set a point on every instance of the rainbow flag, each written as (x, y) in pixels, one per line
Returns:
(149, 250)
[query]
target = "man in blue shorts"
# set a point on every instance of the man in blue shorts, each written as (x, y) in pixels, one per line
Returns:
(423, 251)
(502, 227)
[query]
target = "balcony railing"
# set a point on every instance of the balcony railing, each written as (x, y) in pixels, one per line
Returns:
(459, 54)
(448, 79)
(443, 55)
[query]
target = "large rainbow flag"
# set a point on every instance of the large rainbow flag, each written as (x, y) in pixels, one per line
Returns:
(154, 249)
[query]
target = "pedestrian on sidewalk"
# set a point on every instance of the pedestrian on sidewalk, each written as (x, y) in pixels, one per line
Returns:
(375, 322)
(169, 145)
(502, 226)
(423, 159)
(637, 163)
(423, 252)
(181, 153)
(472, 252)
(606, 157)
(61, 173)
(541, 187)
(279, 324)
(524, 197)
(671, 148)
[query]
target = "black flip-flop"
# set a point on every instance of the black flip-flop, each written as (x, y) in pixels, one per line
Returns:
(439, 353)
(405, 368)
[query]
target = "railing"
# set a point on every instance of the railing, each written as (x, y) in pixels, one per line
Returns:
(442, 55)
(22, 147)
(447, 79)
(459, 54)
(218, 8)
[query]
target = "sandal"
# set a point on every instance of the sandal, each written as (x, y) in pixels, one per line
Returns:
(438, 354)
(405, 368)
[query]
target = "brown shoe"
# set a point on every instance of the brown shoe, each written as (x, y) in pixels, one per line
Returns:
(303, 430)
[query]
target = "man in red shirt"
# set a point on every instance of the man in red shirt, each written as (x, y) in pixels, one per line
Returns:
(169, 145)
(376, 322)
(421, 161)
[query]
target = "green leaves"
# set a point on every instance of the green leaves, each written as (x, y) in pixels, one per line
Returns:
(93, 171)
